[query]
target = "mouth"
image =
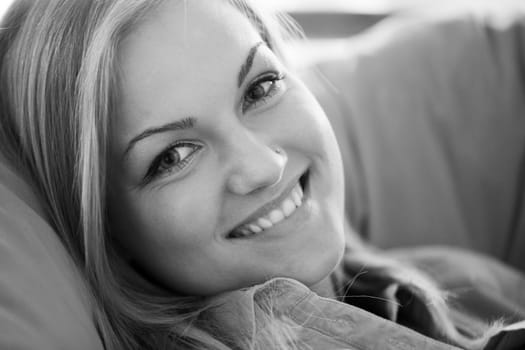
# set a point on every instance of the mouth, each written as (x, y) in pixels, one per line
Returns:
(276, 214)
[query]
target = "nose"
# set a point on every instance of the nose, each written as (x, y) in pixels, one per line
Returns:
(256, 166)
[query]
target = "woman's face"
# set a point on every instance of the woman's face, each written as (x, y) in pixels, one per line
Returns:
(224, 169)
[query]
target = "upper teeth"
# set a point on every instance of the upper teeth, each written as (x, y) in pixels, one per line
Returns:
(276, 215)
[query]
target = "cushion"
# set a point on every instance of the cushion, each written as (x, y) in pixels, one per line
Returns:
(429, 110)
(43, 303)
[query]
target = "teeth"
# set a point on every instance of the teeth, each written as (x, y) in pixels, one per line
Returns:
(287, 207)
(242, 232)
(264, 223)
(254, 228)
(276, 216)
(297, 196)
(299, 191)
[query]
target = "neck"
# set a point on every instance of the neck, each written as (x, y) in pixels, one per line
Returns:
(325, 288)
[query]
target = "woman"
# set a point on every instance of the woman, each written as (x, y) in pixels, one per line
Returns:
(182, 161)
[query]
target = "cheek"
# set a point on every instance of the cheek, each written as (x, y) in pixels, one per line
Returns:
(307, 124)
(164, 216)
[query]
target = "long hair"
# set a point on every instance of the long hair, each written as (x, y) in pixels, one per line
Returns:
(58, 90)
(59, 82)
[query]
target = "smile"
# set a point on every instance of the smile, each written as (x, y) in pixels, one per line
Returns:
(279, 213)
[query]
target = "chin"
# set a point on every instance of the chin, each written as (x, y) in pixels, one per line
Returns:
(314, 269)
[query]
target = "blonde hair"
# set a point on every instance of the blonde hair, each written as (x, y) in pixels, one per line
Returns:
(58, 87)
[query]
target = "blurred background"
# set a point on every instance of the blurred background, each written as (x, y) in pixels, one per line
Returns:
(334, 18)
(339, 18)
(342, 18)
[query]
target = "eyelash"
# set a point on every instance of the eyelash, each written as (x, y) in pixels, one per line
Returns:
(154, 170)
(274, 79)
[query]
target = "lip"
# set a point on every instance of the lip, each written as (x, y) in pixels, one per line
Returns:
(272, 204)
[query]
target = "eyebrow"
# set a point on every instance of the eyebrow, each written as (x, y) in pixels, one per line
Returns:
(186, 123)
(189, 122)
(247, 65)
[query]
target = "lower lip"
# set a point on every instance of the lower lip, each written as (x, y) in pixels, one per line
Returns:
(294, 222)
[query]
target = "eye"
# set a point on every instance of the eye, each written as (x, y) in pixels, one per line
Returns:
(262, 89)
(173, 159)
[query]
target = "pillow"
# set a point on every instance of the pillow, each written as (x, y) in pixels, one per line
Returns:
(429, 111)
(43, 302)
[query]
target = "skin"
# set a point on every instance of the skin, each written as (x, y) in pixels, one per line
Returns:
(183, 61)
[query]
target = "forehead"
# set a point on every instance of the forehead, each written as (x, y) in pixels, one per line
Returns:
(188, 22)
(178, 44)
(185, 36)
